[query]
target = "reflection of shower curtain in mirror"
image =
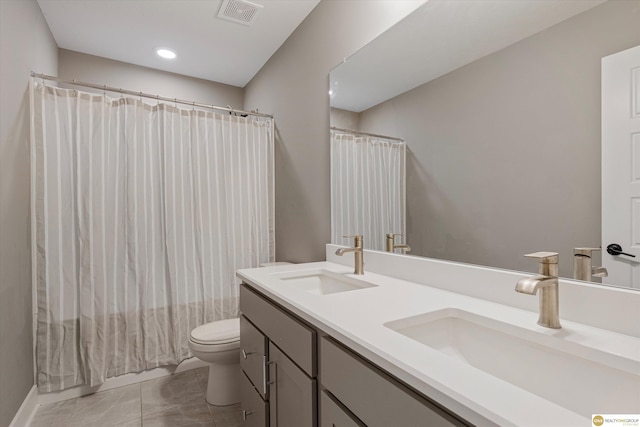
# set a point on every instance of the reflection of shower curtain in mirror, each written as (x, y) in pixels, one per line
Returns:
(367, 188)
(142, 215)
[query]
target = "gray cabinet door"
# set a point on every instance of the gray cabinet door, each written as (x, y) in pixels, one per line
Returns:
(253, 351)
(374, 396)
(254, 409)
(332, 414)
(292, 394)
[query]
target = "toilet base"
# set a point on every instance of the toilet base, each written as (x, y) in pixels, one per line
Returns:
(223, 387)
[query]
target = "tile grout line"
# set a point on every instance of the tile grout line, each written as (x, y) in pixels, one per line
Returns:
(195, 378)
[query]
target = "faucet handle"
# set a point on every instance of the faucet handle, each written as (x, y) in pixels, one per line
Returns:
(585, 251)
(548, 263)
(544, 257)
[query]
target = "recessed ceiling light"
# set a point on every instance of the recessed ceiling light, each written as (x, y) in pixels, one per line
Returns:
(165, 53)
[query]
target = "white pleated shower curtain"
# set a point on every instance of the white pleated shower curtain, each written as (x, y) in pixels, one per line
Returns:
(367, 188)
(141, 216)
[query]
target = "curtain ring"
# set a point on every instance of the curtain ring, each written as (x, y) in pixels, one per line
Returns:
(104, 90)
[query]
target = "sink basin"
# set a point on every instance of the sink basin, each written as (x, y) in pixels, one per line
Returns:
(526, 359)
(322, 282)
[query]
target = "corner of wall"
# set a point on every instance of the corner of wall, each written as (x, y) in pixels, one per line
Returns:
(293, 85)
(26, 45)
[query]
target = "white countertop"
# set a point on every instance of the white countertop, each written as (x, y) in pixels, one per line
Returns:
(357, 318)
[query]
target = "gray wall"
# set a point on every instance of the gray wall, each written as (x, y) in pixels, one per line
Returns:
(102, 71)
(344, 119)
(294, 86)
(505, 152)
(25, 45)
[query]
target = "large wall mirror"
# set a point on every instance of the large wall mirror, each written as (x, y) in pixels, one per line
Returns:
(499, 104)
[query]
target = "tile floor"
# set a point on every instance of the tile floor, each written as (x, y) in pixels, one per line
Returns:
(175, 401)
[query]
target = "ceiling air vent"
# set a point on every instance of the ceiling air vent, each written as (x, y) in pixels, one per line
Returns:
(240, 11)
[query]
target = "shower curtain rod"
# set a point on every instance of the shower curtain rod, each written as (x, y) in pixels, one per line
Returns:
(357, 132)
(146, 95)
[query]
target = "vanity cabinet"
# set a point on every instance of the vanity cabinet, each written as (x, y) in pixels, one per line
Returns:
(303, 383)
(334, 414)
(373, 397)
(278, 359)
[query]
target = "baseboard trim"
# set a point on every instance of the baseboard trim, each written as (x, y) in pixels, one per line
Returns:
(27, 410)
(120, 381)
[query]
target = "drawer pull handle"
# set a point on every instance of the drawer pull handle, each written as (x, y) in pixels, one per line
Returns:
(245, 414)
(266, 383)
(245, 354)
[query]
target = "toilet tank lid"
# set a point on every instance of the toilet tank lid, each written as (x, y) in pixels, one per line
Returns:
(218, 332)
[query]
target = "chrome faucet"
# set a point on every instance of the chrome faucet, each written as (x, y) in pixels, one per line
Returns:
(582, 265)
(357, 253)
(547, 283)
(391, 244)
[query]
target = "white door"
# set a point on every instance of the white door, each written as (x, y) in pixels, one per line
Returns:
(621, 165)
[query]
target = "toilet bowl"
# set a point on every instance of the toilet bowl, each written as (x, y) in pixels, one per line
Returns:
(218, 344)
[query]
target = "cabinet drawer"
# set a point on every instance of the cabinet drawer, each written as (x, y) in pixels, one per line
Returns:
(332, 414)
(254, 409)
(253, 351)
(372, 395)
(292, 394)
(296, 339)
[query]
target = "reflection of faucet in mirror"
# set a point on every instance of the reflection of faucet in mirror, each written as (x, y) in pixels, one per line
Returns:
(457, 210)
(582, 265)
(391, 245)
(547, 284)
(357, 253)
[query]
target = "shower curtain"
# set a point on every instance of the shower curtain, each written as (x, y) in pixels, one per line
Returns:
(141, 216)
(367, 188)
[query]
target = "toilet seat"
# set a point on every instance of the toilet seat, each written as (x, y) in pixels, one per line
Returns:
(217, 333)
(212, 348)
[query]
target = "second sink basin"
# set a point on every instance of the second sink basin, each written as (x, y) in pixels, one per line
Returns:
(526, 359)
(322, 282)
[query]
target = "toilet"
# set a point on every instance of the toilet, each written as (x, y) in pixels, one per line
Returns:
(218, 344)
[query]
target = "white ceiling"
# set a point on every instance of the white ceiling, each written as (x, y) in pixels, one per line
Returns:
(207, 47)
(437, 38)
